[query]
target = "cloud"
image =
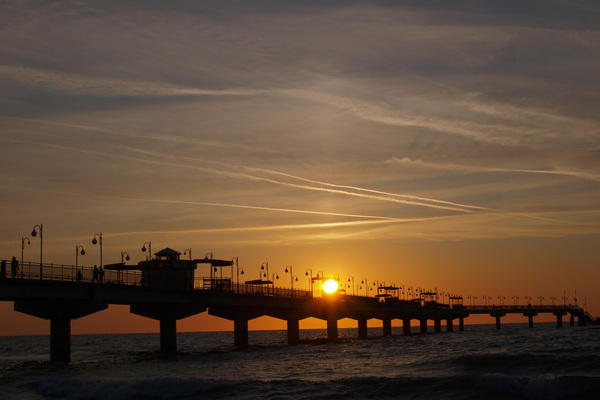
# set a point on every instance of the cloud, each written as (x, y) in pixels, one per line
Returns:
(79, 85)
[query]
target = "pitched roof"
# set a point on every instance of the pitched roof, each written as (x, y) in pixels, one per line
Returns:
(167, 252)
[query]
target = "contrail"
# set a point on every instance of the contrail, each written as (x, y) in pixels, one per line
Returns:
(370, 190)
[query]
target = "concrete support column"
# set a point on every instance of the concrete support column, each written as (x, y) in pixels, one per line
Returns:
(293, 331)
(60, 339)
(406, 326)
(332, 330)
(559, 322)
(572, 320)
(437, 325)
(449, 325)
(362, 329)
(530, 321)
(168, 335)
(423, 326)
(240, 332)
(387, 327)
(498, 325)
(461, 324)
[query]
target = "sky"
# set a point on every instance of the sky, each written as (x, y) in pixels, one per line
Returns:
(452, 146)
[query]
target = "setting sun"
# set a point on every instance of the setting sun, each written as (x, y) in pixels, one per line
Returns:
(330, 286)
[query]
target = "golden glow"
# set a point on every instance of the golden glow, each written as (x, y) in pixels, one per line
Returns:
(330, 286)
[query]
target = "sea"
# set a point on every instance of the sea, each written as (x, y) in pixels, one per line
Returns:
(482, 362)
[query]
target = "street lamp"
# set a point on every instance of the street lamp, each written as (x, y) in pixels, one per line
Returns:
(262, 268)
(274, 276)
(188, 251)
(124, 257)
(264, 274)
(23, 240)
(34, 233)
(310, 280)
(291, 278)
(540, 298)
(77, 252)
(149, 249)
(366, 283)
(376, 284)
(237, 266)
(99, 241)
(351, 279)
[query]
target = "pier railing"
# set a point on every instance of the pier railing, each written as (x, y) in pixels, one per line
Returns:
(521, 307)
(69, 273)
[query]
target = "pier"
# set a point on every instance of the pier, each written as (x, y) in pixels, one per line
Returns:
(165, 289)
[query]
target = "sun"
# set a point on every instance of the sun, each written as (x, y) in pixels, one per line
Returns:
(330, 286)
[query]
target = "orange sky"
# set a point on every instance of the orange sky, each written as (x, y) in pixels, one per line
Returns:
(437, 145)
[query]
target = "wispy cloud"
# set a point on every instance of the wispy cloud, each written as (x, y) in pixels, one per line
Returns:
(79, 85)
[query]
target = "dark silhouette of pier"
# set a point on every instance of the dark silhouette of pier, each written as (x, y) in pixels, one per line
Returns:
(165, 289)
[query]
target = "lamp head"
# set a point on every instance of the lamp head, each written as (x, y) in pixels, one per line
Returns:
(33, 232)
(144, 248)
(127, 258)
(94, 241)
(82, 252)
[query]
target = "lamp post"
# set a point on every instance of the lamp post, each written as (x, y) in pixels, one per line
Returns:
(366, 283)
(540, 298)
(124, 257)
(274, 276)
(310, 280)
(552, 298)
(99, 241)
(77, 252)
(264, 274)
(376, 284)
(23, 240)
(188, 251)
(149, 243)
(291, 278)
(237, 266)
(34, 233)
(351, 279)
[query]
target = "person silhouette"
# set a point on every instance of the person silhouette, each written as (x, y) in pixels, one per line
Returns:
(95, 274)
(101, 274)
(14, 267)
(79, 276)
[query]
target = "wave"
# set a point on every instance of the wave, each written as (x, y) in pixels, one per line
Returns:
(489, 386)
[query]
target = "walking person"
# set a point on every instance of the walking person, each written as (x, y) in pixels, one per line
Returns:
(14, 267)
(95, 274)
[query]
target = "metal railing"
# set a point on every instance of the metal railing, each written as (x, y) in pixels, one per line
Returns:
(227, 285)
(522, 307)
(70, 273)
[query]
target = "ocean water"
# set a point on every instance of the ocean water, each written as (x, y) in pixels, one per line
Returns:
(514, 362)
